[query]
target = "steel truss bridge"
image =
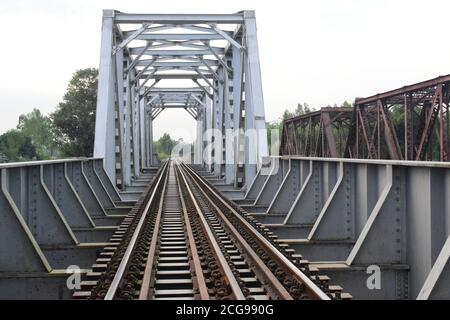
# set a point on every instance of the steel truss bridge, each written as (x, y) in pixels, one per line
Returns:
(347, 210)
(368, 131)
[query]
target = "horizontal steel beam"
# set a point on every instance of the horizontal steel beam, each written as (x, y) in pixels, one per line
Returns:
(183, 98)
(187, 64)
(172, 53)
(174, 100)
(176, 94)
(43, 162)
(404, 90)
(178, 36)
(405, 163)
(175, 106)
(179, 76)
(318, 113)
(175, 90)
(136, 18)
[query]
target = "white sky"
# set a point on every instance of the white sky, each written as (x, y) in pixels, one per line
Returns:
(322, 52)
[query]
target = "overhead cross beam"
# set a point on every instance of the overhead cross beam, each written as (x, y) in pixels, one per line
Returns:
(127, 18)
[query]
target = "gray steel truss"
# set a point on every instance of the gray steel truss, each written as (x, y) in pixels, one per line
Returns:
(349, 217)
(144, 55)
(53, 215)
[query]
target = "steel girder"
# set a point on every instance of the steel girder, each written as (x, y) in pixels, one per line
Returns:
(53, 215)
(141, 54)
(348, 216)
(409, 123)
(321, 133)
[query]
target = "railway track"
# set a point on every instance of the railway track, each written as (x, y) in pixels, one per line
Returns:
(184, 240)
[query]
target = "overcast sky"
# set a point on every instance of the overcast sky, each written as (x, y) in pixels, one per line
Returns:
(320, 52)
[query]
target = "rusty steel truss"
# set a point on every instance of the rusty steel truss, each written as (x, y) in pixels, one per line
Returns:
(320, 133)
(409, 123)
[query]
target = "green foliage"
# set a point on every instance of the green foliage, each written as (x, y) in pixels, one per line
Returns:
(39, 128)
(299, 110)
(32, 140)
(347, 104)
(278, 124)
(273, 130)
(69, 131)
(16, 146)
(74, 118)
(163, 146)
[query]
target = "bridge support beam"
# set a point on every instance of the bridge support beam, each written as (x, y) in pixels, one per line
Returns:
(105, 121)
(149, 141)
(54, 214)
(255, 124)
(351, 216)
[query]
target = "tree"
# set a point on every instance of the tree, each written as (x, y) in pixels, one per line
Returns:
(74, 118)
(278, 124)
(16, 146)
(287, 114)
(164, 145)
(302, 109)
(347, 104)
(299, 110)
(273, 130)
(39, 128)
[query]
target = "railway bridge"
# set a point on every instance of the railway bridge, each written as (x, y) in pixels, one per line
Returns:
(350, 209)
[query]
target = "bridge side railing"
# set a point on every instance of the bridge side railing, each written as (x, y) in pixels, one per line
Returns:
(53, 214)
(391, 213)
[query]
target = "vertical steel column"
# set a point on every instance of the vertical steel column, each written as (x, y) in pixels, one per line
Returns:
(228, 152)
(126, 151)
(150, 136)
(237, 104)
(135, 126)
(142, 132)
(105, 145)
(198, 146)
(120, 110)
(208, 136)
(218, 126)
(204, 141)
(256, 147)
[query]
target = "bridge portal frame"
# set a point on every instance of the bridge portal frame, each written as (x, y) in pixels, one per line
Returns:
(227, 92)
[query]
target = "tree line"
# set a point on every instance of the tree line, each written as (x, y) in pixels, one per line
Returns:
(300, 109)
(67, 132)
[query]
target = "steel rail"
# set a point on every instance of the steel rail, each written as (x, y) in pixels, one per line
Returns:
(125, 260)
(200, 279)
(266, 273)
(235, 288)
(310, 286)
(146, 280)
